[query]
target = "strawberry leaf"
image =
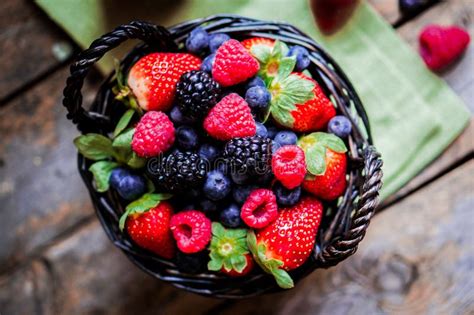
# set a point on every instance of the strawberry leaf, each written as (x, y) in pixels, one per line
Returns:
(287, 65)
(286, 93)
(101, 171)
(94, 146)
(123, 122)
(269, 265)
(315, 158)
(261, 52)
(330, 141)
(141, 205)
(228, 249)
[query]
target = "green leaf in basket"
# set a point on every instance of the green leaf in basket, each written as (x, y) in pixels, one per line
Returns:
(141, 205)
(101, 171)
(123, 122)
(122, 145)
(315, 158)
(94, 146)
(135, 161)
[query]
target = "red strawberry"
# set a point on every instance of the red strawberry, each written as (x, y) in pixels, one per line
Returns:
(441, 46)
(229, 252)
(150, 228)
(191, 230)
(234, 273)
(254, 41)
(260, 209)
(288, 242)
(153, 78)
(230, 118)
(233, 64)
(153, 135)
(312, 109)
(326, 163)
(288, 165)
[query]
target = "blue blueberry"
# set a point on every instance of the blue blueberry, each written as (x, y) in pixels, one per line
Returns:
(302, 57)
(239, 178)
(208, 152)
(208, 206)
(285, 138)
(255, 81)
(216, 40)
(275, 146)
(258, 97)
(217, 186)
(286, 197)
(241, 193)
(221, 166)
(272, 131)
(410, 7)
(230, 216)
(178, 118)
(340, 126)
(197, 41)
(207, 63)
(261, 130)
(187, 138)
(129, 186)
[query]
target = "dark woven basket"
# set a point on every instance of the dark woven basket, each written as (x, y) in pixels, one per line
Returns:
(344, 223)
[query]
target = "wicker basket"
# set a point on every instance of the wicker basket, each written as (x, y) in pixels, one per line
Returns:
(344, 224)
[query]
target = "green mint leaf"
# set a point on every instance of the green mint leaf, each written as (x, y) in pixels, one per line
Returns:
(123, 122)
(101, 171)
(150, 187)
(122, 146)
(94, 146)
(315, 158)
(119, 74)
(141, 205)
(287, 64)
(330, 141)
(136, 162)
(261, 52)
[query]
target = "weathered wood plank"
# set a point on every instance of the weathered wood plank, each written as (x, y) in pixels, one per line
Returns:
(30, 45)
(415, 260)
(86, 274)
(41, 193)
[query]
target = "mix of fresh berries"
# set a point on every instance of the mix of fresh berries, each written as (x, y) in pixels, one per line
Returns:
(441, 46)
(222, 154)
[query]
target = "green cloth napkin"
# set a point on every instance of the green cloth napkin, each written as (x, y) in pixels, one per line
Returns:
(413, 113)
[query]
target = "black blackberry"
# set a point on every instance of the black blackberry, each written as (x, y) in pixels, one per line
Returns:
(196, 93)
(250, 155)
(177, 172)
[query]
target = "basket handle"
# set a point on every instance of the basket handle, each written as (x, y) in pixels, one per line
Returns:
(368, 202)
(156, 36)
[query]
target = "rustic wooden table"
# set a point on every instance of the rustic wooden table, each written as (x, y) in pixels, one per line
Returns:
(417, 257)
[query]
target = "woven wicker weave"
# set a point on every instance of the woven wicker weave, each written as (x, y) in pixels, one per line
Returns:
(344, 224)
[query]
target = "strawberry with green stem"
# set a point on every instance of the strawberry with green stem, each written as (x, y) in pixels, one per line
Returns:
(229, 252)
(326, 165)
(288, 241)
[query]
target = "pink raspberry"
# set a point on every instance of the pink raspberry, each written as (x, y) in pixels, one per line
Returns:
(153, 135)
(288, 165)
(191, 230)
(260, 209)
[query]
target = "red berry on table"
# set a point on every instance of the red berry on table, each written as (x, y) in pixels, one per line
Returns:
(229, 252)
(260, 209)
(230, 118)
(288, 166)
(151, 229)
(441, 46)
(191, 230)
(154, 134)
(311, 113)
(153, 78)
(287, 243)
(233, 64)
(326, 163)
